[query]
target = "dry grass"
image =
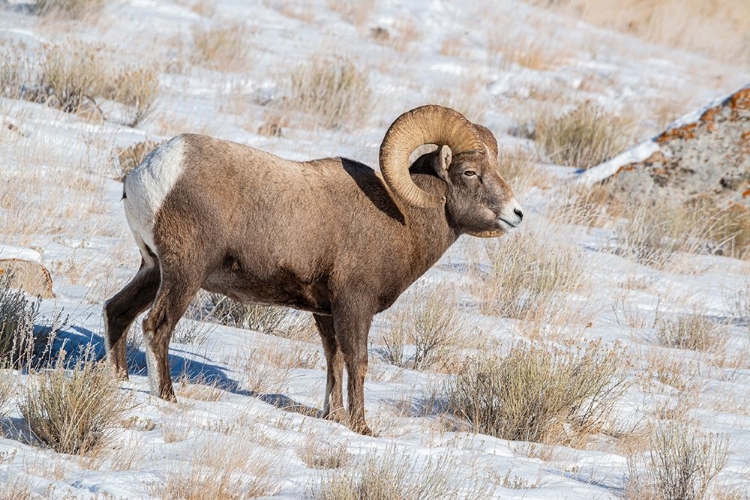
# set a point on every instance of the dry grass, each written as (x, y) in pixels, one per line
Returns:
(431, 323)
(528, 52)
(582, 138)
(223, 48)
(533, 391)
(320, 455)
(737, 303)
(657, 226)
(271, 320)
(692, 331)
(332, 89)
(69, 9)
(528, 277)
(18, 314)
(126, 159)
(680, 466)
(719, 29)
(73, 411)
(72, 76)
(7, 390)
(222, 468)
(137, 89)
(17, 488)
(352, 11)
(386, 477)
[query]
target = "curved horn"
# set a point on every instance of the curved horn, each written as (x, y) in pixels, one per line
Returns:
(487, 137)
(424, 125)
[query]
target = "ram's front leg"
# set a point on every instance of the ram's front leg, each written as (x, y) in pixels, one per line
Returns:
(352, 328)
(333, 406)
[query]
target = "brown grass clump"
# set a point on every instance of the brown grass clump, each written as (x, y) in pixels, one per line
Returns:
(582, 138)
(70, 76)
(352, 11)
(69, 9)
(319, 455)
(126, 159)
(72, 411)
(390, 476)
(693, 331)
(530, 393)
(137, 89)
(431, 323)
(529, 277)
(334, 90)
(680, 466)
(222, 48)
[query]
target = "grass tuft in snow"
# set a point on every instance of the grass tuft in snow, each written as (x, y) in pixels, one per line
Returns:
(582, 138)
(680, 466)
(430, 322)
(692, 331)
(222, 47)
(333, 89)
(320, 455)
(529, 277)
(73, 410)
(533, 391)
(386, 477)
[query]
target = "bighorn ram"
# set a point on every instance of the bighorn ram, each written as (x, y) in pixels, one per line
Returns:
(328, 236)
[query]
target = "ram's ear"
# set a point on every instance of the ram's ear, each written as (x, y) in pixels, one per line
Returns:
(443, 162)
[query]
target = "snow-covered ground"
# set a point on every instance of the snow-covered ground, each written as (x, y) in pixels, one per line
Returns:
(59, 197)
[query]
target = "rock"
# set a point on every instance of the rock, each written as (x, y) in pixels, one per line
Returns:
(26, 271)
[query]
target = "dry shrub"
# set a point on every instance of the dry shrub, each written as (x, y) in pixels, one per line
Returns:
(529, 277)
(222, 468)
(271, 320)
(531, 53)
(662, 225)
(719, 28)
(319, 455)
(7, 390)
(533, 391)
(17, 488)
(18, 313)
(333, 89)
(737, 303)
(430, 322)
(137, 89)
(352, 11)
(582, 138)
(204, 8)
(126, 159)
(389, 476)
(222, 48)
(72, 76)
(73, 411)
(680, 466)
(692, 331)
(69, 9)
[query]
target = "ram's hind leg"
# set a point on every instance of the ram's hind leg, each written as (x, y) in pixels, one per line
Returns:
(122, 309)
(179, 284)
(333, 405)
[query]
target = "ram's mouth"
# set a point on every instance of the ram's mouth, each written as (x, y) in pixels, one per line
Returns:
(506, 224)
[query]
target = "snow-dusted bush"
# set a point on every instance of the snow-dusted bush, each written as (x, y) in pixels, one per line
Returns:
(72, 410)
(529, 276)
(582, 138)
(531, 392)
(430, 322)
(680, 466)
(334, 90)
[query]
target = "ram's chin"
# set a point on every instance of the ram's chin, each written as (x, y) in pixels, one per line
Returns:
(494, 233)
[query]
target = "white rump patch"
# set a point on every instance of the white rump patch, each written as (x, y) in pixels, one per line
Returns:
(147, 186)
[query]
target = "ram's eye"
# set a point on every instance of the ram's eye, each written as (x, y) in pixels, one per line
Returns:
(470, 173)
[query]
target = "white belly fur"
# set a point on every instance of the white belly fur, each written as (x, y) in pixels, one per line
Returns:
(147, 186)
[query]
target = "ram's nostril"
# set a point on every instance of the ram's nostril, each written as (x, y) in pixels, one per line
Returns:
(518, 212)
